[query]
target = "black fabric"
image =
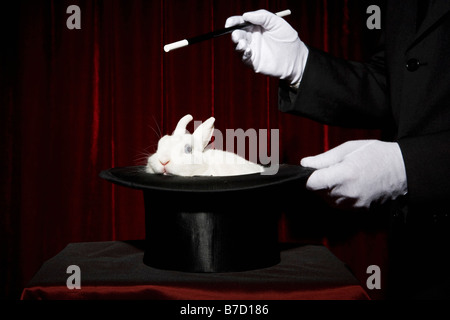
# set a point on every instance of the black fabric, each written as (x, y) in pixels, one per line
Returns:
(120, 263)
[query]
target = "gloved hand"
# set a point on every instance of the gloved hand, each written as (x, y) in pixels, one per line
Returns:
(358, 173)
(271, 46)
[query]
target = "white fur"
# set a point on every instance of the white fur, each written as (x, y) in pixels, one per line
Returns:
(173, 151)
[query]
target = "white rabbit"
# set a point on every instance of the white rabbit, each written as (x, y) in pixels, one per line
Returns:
(185, 154)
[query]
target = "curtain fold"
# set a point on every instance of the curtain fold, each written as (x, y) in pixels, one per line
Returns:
(75, 102)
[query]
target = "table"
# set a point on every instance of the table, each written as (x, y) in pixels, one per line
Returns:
(114, 270)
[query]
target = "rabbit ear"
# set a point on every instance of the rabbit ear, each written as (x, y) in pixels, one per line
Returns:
(181, 126)
(204, 132)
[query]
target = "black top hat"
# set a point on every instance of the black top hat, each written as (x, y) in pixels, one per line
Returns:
(214, 223)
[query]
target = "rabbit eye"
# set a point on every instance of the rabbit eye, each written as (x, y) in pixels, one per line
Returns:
(187, 148)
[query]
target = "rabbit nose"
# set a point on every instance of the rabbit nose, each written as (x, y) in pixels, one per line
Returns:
(164, 163)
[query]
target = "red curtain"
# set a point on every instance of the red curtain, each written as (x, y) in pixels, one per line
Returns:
(75, 102)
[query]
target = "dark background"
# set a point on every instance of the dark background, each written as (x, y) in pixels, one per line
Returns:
(75, 102)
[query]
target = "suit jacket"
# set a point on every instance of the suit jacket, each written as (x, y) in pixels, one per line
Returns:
(406, 85)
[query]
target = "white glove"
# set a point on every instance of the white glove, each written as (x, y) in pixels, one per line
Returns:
(359, 173)
(270, 46)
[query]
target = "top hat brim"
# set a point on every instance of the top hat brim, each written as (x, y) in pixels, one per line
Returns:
(135, 177)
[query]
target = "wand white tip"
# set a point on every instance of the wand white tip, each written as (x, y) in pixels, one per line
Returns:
(176, 45)
(283, 13)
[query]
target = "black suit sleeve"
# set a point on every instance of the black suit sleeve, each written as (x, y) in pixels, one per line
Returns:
(339, 92)
(427, 163)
